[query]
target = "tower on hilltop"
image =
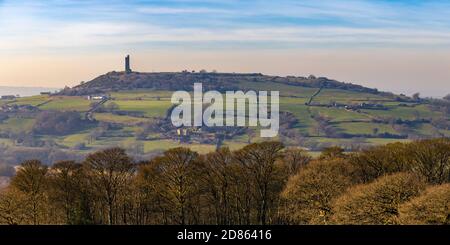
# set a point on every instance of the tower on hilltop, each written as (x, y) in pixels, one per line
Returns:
(127, 64)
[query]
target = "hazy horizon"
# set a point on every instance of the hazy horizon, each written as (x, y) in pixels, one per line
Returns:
(24, 91)
(399, 46)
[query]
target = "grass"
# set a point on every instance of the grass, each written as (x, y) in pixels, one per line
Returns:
(128, 120)
(233, 145)
(67, 103)
(110, 141)
(340, 115)
(201, 148)
(370, 141)
(298, 108)
(142, 94)
(383, 141)
(32, 100)
(332, 140)
(427, 129)
(4, 102)
(284, 89)
(314, 154)
(17, 125)
(6, 142)
(365, 128)
(397, 103)
(344, 96)
(446, 133)
(156, 145)
(154, 108)
(405, 113)
(74, 139)
(162, 145)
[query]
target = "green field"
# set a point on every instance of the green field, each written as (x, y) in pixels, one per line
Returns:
(32, 100)
(343, 96)
(6, 142)
(340, 114)
(302, 114)
(367, 128)
(383, 141)
(161, 145)
(142, 95)
(17, 125)
(74, 139)
(149, 108)
(406, 113)
(127, 120)
(67, 104)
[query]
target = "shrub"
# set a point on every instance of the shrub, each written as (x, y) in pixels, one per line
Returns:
(295, 159)
(308, 195)
(381, 160)
(432, 207)
(377, 202)
(14, 207)
(431, 158)
(332, 153)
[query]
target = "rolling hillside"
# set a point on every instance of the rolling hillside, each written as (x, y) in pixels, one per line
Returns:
(316, 113)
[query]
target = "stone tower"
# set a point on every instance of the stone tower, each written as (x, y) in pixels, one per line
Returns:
(127, 64)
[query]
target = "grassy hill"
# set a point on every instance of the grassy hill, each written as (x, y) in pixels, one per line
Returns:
(319, 112)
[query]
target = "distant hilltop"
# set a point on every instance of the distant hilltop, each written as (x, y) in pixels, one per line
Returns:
(171, 81)
(118, 81)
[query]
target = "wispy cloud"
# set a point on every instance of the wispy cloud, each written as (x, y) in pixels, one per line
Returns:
(60, 24)
(168, 10)
(390, 44)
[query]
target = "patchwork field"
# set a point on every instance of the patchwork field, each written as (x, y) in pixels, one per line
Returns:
(131, 110)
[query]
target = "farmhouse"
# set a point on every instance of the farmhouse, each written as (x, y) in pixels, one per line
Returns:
(97, 97)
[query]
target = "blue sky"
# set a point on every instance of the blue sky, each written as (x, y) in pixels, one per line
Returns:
(77, 24)
(45, 28)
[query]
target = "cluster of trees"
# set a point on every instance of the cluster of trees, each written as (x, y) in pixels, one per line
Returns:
(59, 122)
(263, 183)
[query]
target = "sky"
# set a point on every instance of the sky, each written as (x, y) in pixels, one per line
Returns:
(393, 45)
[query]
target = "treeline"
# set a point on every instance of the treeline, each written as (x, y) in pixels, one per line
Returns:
(264, 183)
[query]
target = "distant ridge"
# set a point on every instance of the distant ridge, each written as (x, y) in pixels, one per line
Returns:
(116, 81)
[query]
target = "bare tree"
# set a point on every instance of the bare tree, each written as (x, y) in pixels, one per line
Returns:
(177, 183)
(31, 180)
(109, 172)
(262, 165)
(296, 158)
(217, 177)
